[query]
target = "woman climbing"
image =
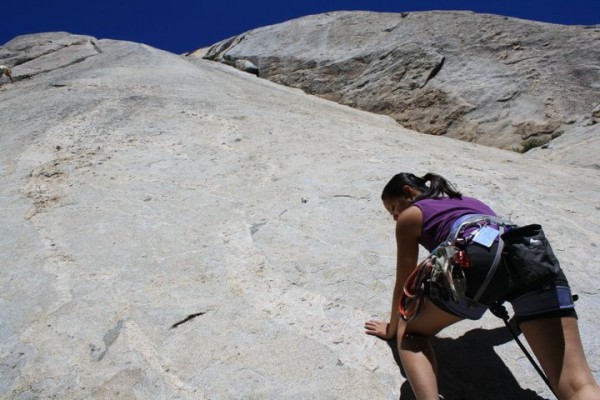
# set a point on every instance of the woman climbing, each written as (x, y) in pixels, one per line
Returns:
(429, 211)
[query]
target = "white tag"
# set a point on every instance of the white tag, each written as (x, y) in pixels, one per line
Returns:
(486, 236)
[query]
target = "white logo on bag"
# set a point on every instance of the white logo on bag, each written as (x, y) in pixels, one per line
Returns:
(535, 242)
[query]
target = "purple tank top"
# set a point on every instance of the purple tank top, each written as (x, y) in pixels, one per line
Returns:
(440, 214)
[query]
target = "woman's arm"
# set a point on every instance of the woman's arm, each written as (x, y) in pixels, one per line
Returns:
(408, 231)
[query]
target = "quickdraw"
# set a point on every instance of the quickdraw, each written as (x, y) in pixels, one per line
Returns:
(410, 299)
(442, 269)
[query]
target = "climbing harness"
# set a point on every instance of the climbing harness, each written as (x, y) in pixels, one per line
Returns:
(443, 269)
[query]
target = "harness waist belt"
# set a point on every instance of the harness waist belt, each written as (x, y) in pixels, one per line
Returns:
(476, 219)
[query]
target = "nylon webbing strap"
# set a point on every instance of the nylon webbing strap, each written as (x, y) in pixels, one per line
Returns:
(492, 271)
(465, 219)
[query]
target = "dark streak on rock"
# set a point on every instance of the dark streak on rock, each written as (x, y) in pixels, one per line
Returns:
(256, 226)
(93, 42)
(110, 337)
(435, 70)
(188, 318)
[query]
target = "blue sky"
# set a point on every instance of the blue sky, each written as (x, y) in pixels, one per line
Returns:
(185, 25)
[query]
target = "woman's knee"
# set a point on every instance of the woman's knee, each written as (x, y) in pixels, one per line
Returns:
(557, 345)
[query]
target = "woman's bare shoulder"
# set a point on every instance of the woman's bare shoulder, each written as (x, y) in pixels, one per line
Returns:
(409, 222)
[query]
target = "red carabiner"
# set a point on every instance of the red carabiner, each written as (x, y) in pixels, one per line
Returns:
(462, 259)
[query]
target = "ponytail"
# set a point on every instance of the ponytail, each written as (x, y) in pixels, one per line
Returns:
(437, 187)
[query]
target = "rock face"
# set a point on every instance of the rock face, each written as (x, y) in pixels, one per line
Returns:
(177, 229)
(488, 79)
(33, 55)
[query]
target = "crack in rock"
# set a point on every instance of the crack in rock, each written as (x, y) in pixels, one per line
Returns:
(186, 319)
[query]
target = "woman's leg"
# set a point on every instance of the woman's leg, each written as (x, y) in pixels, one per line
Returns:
(415, 350)
(557, 345)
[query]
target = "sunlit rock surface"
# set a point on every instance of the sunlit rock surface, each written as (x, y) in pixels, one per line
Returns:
(184, 230)
(489, 79)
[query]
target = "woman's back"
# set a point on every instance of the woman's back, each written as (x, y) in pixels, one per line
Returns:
(439, 215)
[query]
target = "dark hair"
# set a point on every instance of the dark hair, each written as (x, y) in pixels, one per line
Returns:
(438, 186)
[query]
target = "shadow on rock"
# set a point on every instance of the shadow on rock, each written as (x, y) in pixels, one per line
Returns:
(469, 368)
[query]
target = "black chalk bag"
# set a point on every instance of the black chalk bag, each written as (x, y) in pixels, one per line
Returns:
(528, 256)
